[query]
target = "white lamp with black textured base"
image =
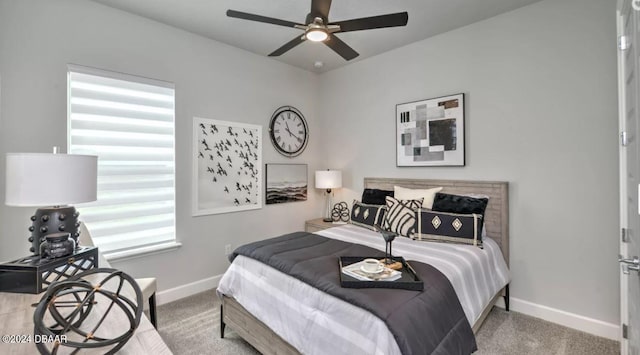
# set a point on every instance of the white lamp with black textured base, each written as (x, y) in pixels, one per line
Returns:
(55, 180)
(328, 179)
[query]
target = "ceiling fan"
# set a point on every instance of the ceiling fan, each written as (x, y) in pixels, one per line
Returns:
(318, 29)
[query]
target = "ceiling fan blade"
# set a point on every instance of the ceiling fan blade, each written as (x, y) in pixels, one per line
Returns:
(367, 23)
(287, 46)
(340, 47)
(320, 8)
(258, 18)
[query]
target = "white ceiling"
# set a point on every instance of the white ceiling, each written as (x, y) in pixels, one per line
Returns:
(208, 18)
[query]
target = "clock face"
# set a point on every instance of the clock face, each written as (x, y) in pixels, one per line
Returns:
(288, 130)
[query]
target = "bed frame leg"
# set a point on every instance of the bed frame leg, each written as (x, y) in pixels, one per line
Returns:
(222, 325)
(506, 298)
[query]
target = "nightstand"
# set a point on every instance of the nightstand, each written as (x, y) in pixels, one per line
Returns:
(316, 225)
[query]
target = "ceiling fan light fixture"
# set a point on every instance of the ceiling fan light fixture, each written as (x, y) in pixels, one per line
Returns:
(316, 35)
(317, 27)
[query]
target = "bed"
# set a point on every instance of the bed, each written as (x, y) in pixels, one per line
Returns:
(294, 317)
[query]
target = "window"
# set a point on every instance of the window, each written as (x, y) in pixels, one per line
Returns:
(128, 122)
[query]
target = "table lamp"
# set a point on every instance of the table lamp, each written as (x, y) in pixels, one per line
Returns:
(54, 180)
(328, 179)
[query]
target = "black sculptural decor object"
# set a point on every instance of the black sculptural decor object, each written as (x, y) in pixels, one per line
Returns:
(72, 314)
(340, 212)
(388, 238)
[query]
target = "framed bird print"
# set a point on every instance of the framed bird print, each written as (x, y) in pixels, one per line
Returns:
(227, 166)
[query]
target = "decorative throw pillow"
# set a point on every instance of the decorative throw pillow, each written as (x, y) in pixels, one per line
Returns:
(401, 216)
(459, 204)
(463, 204)
(449, 227)
(375, 196)
(367, 215)
(484, 227)
(427, 195)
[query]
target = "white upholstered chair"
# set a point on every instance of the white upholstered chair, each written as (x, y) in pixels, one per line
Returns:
(147, 285)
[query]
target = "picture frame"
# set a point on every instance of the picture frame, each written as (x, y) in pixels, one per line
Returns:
(227, 166)
(431, 132)
(286, 183)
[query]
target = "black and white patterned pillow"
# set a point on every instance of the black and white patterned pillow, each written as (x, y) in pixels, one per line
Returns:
(366, 215)
(401, 216)
(449, 227)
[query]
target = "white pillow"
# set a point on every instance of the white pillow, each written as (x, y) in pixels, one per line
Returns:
(428, 195)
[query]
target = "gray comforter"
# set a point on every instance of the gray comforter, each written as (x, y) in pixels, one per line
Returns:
(426, 322)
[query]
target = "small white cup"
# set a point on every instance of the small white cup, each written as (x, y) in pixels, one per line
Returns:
(371, 265)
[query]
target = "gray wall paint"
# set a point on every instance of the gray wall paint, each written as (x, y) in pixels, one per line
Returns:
(541, 113)
(213, 80)
(541, 106)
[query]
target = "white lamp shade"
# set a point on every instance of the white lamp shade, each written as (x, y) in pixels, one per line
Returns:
(40, 179)
(328, 179)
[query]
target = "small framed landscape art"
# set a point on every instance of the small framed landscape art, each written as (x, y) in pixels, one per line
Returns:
(431, 132)
(227, 166)
(286, 183)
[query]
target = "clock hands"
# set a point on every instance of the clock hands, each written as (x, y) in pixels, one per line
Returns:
(289, 131)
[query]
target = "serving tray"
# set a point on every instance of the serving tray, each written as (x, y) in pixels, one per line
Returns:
(408, 281)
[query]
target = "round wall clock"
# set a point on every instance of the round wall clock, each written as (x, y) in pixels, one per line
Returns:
(288, 131)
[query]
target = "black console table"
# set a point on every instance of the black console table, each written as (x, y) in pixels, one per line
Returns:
(33, 274)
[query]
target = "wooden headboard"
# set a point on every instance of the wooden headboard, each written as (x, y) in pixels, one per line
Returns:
(496, 215)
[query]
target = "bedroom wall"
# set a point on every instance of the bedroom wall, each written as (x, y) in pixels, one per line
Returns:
(37, 40)
(541, 113)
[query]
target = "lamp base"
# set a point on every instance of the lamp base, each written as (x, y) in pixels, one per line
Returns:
(327, 208)
(48, 220)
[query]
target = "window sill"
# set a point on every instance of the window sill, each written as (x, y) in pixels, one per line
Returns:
(141, 251)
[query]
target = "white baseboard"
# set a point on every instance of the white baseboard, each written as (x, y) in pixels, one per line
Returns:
(176, 293)
(567, 319)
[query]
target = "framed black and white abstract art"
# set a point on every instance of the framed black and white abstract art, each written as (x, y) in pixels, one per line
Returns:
(431, 132)
(227, 166)
(286, 183)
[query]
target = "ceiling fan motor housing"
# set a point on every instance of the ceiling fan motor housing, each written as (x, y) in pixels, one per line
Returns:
(311, 18)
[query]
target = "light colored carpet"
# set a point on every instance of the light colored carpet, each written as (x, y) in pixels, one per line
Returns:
(192, 326)
(515, 333)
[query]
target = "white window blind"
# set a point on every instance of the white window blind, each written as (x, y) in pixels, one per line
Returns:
(128, 122)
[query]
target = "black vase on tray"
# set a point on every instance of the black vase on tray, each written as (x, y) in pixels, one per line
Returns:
(388, 238)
